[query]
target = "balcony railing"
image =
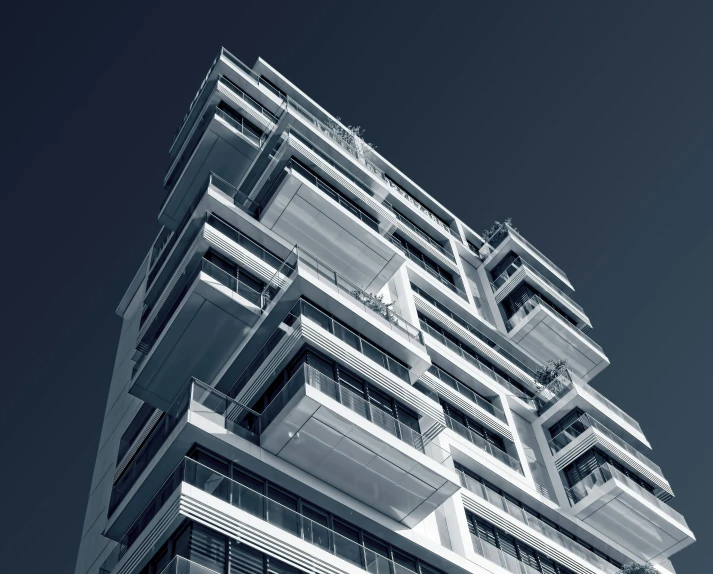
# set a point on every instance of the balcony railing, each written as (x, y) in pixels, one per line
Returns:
(423, 209)
(558, 388)
(370, 304)
(154, 327)
(241, 126)
(467, 392)
(430, 241)
(260, 506)
(181, 565)
(354, 340)
(333, 194)
(532, 303)
(519, 514)
(585, 422)
(494, 554)
(605, 473)
(427, 268)
(499, 236)
(473, 360)
(517, 264)
(310, 376)
(483, 444)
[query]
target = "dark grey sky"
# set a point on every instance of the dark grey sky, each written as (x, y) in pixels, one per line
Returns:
(590, 124)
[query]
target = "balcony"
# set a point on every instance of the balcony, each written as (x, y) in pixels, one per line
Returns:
(545, 333)
(586, 432)
(473, 361)
(263, 523)
(200, 317)
(520, 270)
(494, 554)
(506, 240)
(222, 141)
(480, 499)
(305, 206)
(568, 392)
(323, 428)
(622, 510)
(500, 455)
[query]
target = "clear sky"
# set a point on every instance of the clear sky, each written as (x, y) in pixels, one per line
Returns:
(589, 123)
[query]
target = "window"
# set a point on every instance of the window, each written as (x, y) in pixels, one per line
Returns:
(417, 256)
(468, 478)
(297, 515)
(565, 422)
(467, 425)
(496, 271)
(135, 427)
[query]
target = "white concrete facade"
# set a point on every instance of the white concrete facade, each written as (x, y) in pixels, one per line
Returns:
(311, 319)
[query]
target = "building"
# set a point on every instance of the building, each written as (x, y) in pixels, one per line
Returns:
(322, 369)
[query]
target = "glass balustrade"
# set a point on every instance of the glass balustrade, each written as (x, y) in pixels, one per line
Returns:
(519, 263)
(181, 565)
(585, 422)
(494, 554)
(519, 514)
(422, 234)
(483, 444)
(499, 236)
(369, 303)
(241, 126)
(304, 309)
(467, 392)
(307, 375)
(558, 388)
(532, 303)
(422, 264)
(473, 360)
(605, 473)
(260, 506)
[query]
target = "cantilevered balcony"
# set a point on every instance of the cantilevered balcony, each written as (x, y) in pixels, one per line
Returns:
(263, 523)
(313, 203)
(520, 270)
(500, 455)
(505, 240)
(322, 427)
(226, 136)
(201, 315)
(622, 510)
(568, 392)
(546, 333)
(586, 432)
(484, 501)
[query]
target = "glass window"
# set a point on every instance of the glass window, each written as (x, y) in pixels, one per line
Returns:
(282, 509)
(346, 543)
(315, 527)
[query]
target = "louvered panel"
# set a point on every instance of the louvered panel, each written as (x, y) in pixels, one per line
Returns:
(245, 108)
(472, 340)
(145, 545)
(241, 255)
(467, 406)
(521, 531)
(512, 282)
(258, 534)
(353, 360)
(583, 444)
(145, 432)
(632, 461)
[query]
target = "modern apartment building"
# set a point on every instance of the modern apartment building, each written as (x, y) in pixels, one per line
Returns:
(323, 370)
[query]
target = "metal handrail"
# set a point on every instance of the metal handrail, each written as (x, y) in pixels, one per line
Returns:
(483, 444)
(516, 264)
(473, 360)
(500, 502)
(587, 421)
